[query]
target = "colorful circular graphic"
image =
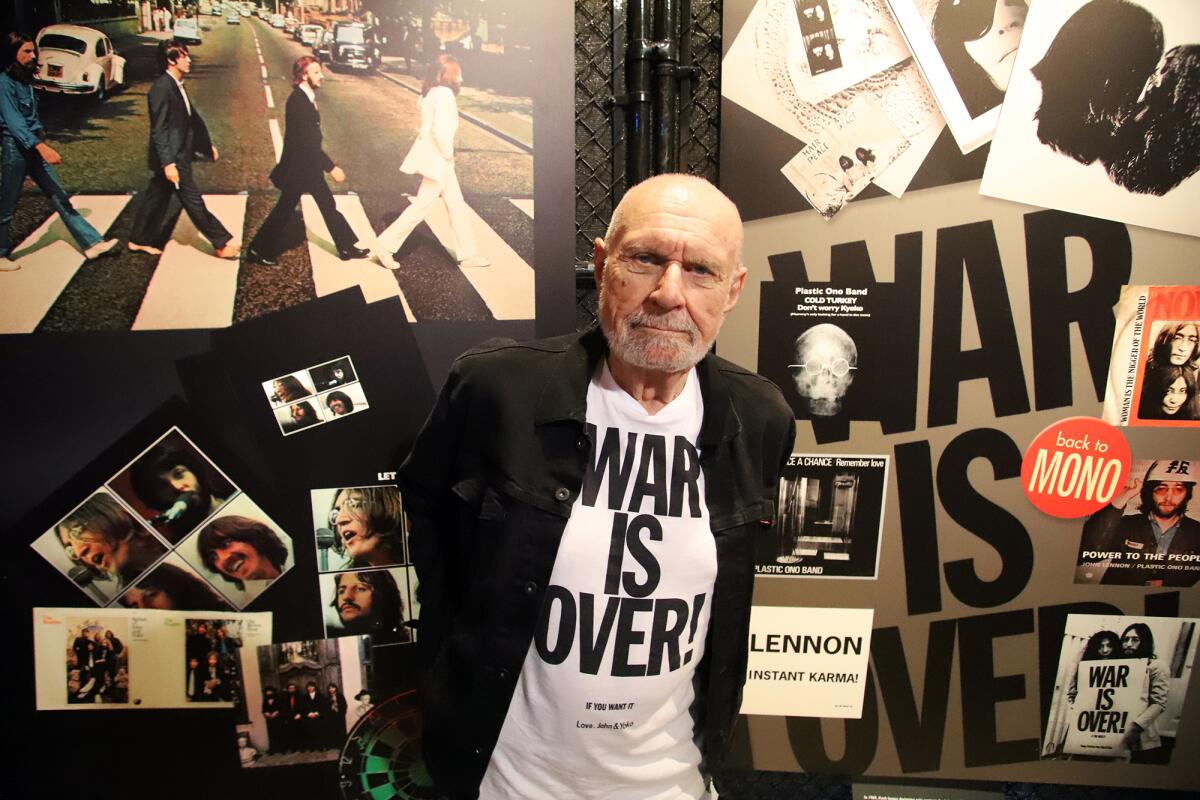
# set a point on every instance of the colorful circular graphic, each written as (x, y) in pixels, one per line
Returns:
(1075, 466)
(382, 756)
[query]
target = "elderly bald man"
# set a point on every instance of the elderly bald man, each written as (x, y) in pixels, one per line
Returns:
(583, 515)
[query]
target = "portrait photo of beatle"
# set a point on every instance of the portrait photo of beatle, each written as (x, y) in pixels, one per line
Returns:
(97, 660)
(978, 40)
(359, 527)
(173, 486)
(305, 697)
(101, 546)
(212, 662)
(171, 531)
(317, 394)
(1169, 373)
(380, 603)
(240, 551)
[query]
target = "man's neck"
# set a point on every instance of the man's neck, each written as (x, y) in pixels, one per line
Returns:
(175, 73)
(653, 389)
(1165, 523)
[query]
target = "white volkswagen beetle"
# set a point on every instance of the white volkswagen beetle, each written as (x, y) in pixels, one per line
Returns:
(77, 60)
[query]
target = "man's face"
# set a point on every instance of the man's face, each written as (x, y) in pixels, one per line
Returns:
(1183, 345)
(27, 55)
(1168, 497)
(314, 76)
(299, 414)
(354, 597)
(241, 561)
(193, 663)
(338, 373)
(148, 598)
(351, 524)
(87, 547)
(184, 63)
(1130, 642)
(212, 659)
(670, 277)
(337, 407)
(291, 688)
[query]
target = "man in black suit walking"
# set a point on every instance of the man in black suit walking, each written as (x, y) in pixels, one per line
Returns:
(177, 136)
(301, 169)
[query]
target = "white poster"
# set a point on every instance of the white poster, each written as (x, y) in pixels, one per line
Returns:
(1102, 116)
(113, 658)
(807, 662)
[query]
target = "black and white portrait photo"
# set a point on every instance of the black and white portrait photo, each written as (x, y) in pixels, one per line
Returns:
(966, 49)
(1102, 115)
(375, 602)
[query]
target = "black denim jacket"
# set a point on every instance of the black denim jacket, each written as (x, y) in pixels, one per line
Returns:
(488, 488)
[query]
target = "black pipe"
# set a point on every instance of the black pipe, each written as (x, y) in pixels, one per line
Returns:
(666, 63)
(637, 93)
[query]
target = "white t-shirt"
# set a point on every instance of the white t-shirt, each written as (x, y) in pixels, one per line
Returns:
(601, 708)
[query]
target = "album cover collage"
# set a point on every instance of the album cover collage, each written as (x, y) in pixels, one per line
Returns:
(315, 395)
(866, 87)
(367, 583)
(143, 658)
(169, 530)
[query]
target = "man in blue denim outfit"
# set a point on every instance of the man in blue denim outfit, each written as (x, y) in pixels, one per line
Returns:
(22, 152)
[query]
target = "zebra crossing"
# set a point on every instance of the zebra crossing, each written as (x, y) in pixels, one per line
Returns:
(189, 287)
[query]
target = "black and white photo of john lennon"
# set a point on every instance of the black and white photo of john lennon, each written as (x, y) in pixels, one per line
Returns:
(829, 518)
(977, 41)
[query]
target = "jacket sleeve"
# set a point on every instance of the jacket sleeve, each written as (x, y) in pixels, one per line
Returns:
(159, 103)
(426, 480)
(1158, 689)
(13, 120)
(445, 123)
(1102, 530)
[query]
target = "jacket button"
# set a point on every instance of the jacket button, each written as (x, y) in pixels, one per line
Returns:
(502, 674)
(530, 587)
(561, 494)
(581, 444)
(478, 751)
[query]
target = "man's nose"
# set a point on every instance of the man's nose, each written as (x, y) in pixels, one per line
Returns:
(669, 291)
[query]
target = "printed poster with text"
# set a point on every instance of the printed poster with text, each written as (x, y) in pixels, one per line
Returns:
(807, 662)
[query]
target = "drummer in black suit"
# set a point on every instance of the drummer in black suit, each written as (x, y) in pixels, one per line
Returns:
(301, 169)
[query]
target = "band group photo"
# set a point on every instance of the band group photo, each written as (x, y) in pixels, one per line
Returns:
(168, 178)
(97, 661)
(213, 662)
(307, 696)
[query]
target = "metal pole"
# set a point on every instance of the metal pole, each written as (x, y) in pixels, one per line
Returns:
(665, 53)
(637, 93)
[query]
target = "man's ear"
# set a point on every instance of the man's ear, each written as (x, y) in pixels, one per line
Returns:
(735, 288)
(598, 256)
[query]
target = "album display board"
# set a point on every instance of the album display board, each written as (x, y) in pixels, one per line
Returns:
(936, 334)
(306, 220)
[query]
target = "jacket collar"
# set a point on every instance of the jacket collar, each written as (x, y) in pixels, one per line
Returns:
(564, 393)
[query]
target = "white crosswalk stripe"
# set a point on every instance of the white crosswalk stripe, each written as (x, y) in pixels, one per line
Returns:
(330, 273)
(507, 285)
(49, 258)
(191, 287)
(523, 203)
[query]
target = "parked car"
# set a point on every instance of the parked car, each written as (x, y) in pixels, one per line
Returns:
(187, 30)
(277, 21)
(323, 47)
(216, 9)
(245, 12)
(354, 47)
(289, 24)
(77, 60)
(233, 18)
(310, 34)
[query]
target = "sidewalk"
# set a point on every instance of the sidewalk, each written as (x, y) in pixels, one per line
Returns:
(510, 118)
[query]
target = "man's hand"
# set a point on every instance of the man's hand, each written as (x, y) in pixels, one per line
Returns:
(216, 154)
(171, 173)
(1133, 487)
(1132, 740)
(48, 153)
(337, 175)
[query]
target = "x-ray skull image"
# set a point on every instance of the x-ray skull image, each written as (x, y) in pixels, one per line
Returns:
(823, 368)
